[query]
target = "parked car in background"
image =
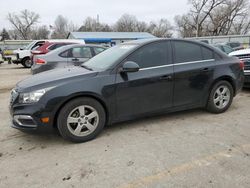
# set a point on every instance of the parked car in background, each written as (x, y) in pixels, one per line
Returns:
(23, 55)
(69, 55)
(127, 81)
(235, 45)
(225, 48)
(49, 46)
(244, 55)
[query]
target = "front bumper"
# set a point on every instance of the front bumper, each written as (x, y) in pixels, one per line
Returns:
(247, 78)
(27, 117)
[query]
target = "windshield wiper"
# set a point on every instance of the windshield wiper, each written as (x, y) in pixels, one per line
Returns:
(86, 67)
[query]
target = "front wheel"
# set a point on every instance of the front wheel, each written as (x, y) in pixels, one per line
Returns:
(81, 119)
(221, 97)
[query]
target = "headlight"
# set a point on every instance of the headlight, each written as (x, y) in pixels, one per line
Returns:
(31, 97)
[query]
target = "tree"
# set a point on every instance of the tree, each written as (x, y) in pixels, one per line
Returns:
(23, 22)
(62, 27)
(91, 25)
(4, 35)
(214, 17)
(126, 23)
(41, 32)
(162, 28)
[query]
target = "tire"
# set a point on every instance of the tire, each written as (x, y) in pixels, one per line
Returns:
(75, 123)
(220, 98)
(26, 62)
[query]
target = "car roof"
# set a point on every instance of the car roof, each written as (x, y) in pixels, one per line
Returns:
(142, 42)
(60, 40)
(63, 48)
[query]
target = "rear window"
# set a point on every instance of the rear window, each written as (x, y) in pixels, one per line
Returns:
(207, 53)
(98, 50)
(234, 44)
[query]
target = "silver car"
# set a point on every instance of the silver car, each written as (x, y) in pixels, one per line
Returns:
(70, 55)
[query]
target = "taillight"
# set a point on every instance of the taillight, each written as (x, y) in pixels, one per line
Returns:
(40, 61)
(242, 64)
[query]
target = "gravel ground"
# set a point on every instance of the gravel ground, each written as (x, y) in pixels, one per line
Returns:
(184, 149)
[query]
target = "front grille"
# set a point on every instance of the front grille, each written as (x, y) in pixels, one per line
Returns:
(244, 56)
(246, 59)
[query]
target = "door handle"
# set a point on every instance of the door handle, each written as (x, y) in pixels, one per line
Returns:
(166, 77)
(75, 59)
(205, 70)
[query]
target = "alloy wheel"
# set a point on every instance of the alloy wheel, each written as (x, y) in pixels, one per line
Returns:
(222, 97)
(83, 120)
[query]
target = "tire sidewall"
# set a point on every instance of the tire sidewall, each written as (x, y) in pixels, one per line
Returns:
(24, 62)
(211, 106)
(65, 111)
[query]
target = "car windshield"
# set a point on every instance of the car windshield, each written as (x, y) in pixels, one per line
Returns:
(28, 47)
(106, 59)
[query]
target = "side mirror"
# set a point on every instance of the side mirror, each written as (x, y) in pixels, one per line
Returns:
(130, 66)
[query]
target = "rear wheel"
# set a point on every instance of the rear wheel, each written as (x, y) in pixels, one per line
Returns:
(221, 97)
(81, 119)
(27, 62)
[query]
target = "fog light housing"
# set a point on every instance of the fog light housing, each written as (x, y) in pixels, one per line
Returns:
(45, 119)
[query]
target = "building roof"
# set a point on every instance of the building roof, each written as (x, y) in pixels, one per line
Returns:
(108, 36)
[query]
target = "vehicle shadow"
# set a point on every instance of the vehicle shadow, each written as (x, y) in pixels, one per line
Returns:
(180, 115)
(53, 138)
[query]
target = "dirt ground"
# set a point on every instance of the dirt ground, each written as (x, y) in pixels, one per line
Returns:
(184, 149)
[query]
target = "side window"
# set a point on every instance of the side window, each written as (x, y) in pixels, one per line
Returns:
(86, 52)
(227, 49)
(98, 50)
(65, 53)
(207, 53)
(81, 52)
(151, 55)
(187, 51)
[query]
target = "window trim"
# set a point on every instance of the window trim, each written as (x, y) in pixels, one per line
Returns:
(184, 63)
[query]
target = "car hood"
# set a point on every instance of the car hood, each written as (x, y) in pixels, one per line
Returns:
(20, 51)
(56, 76)
(240, 52)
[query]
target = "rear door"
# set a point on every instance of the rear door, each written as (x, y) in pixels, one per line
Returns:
(79, 55)
(193, 72)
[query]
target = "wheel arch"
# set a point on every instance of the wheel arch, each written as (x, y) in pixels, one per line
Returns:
(225, 78)
(24, 58)
(80, 95)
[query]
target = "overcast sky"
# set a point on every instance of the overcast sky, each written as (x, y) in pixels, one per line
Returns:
(109, 10)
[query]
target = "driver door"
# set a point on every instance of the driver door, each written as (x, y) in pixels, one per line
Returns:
(151, 88)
